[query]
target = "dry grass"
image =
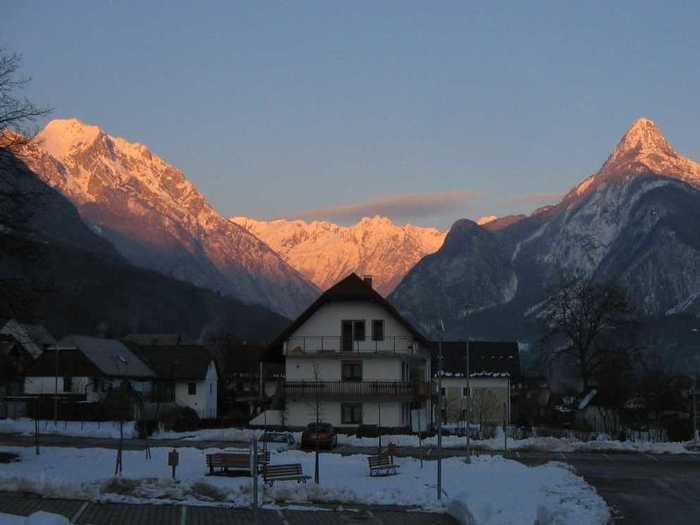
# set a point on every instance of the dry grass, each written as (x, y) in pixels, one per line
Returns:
(206, 492)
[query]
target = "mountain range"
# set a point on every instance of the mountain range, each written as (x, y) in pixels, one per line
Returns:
(57, 270)
(158, 220)
(634, 223)
(325, 252)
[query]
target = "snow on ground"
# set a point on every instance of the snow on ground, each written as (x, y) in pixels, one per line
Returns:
(110, 429)
(94, 429)
(499, 491)
(544, 444)
(38, 518)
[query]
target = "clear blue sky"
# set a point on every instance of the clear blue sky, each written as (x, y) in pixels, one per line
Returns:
(278, 108)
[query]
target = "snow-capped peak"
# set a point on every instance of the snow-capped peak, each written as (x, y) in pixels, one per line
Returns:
(642, 150)
(486, 219)
(325, 252)
(643, 138)
(61, 137)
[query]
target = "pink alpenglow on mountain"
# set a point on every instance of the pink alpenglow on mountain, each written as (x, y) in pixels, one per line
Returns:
(325, 252)
(157, 219)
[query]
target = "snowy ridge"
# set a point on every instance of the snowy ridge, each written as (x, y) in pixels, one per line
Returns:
(325, 252)
(157, 219)
(634, 222)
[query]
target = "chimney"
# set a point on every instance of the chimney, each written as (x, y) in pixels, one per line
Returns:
(368, 280)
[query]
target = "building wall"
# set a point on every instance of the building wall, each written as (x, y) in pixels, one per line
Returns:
(330, 368)
(488, 396)
(327, 321)
(81, 385)
(205, 400)
(301, 413)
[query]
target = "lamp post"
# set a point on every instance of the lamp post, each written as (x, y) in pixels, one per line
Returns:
(440, 402)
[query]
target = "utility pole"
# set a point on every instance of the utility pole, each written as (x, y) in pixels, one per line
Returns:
(439, 429)
(468, 458)
(695, 408)
(55, 397)
(379, 424)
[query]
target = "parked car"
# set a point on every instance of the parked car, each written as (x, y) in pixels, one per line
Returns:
(277, 440)
(323, 433)
(370, 431)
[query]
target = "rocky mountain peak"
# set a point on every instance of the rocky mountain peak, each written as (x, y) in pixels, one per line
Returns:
(62, 137)
(642, 150)
(643, 138)
(324, 252)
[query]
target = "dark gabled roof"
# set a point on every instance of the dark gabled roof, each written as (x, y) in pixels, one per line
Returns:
(486, 358)
(177, 362)
(352, 288)
(110, 356)
(71, 363)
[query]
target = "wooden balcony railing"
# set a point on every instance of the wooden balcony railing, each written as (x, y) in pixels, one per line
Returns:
(357, 389)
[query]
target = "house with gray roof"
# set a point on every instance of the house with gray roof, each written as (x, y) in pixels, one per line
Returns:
(87, 368)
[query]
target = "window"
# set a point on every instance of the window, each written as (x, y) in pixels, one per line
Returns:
(351, 413)
(358, 330)
(192, 389)
(378, 330)
(351, 331)
(67, 384)
(352, 371)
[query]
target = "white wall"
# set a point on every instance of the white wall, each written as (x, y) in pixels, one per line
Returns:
(327, 321)
(488, 396)
(304, 369)
(330, 368)
(81, 385)
(205, 400)
(301, 413)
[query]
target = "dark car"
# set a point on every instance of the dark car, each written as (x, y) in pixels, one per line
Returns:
(323, 433)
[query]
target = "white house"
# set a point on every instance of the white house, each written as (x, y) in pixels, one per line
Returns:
(493, 367)
(87, 368)
(352, 359)
(185, 374)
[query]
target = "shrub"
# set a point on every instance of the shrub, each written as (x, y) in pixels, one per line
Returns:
(180, 419)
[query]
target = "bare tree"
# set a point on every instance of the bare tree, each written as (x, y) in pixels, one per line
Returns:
(16, 113)
(589, 324)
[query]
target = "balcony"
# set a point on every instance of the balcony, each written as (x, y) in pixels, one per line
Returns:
(336, 345)
(357, 390)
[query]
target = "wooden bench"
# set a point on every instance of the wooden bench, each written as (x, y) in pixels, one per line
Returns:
(236, 462)
(382, 465)
(290, 472)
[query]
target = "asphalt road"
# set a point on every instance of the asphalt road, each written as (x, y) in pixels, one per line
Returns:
(644, 489)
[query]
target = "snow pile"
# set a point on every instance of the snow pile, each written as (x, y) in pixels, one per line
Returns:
(38, 518)
(543, 444)
(92, 429)
(237, 435)
(494, 490)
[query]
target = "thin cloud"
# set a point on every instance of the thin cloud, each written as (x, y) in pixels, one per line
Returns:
(533, 199)
(399, 207)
